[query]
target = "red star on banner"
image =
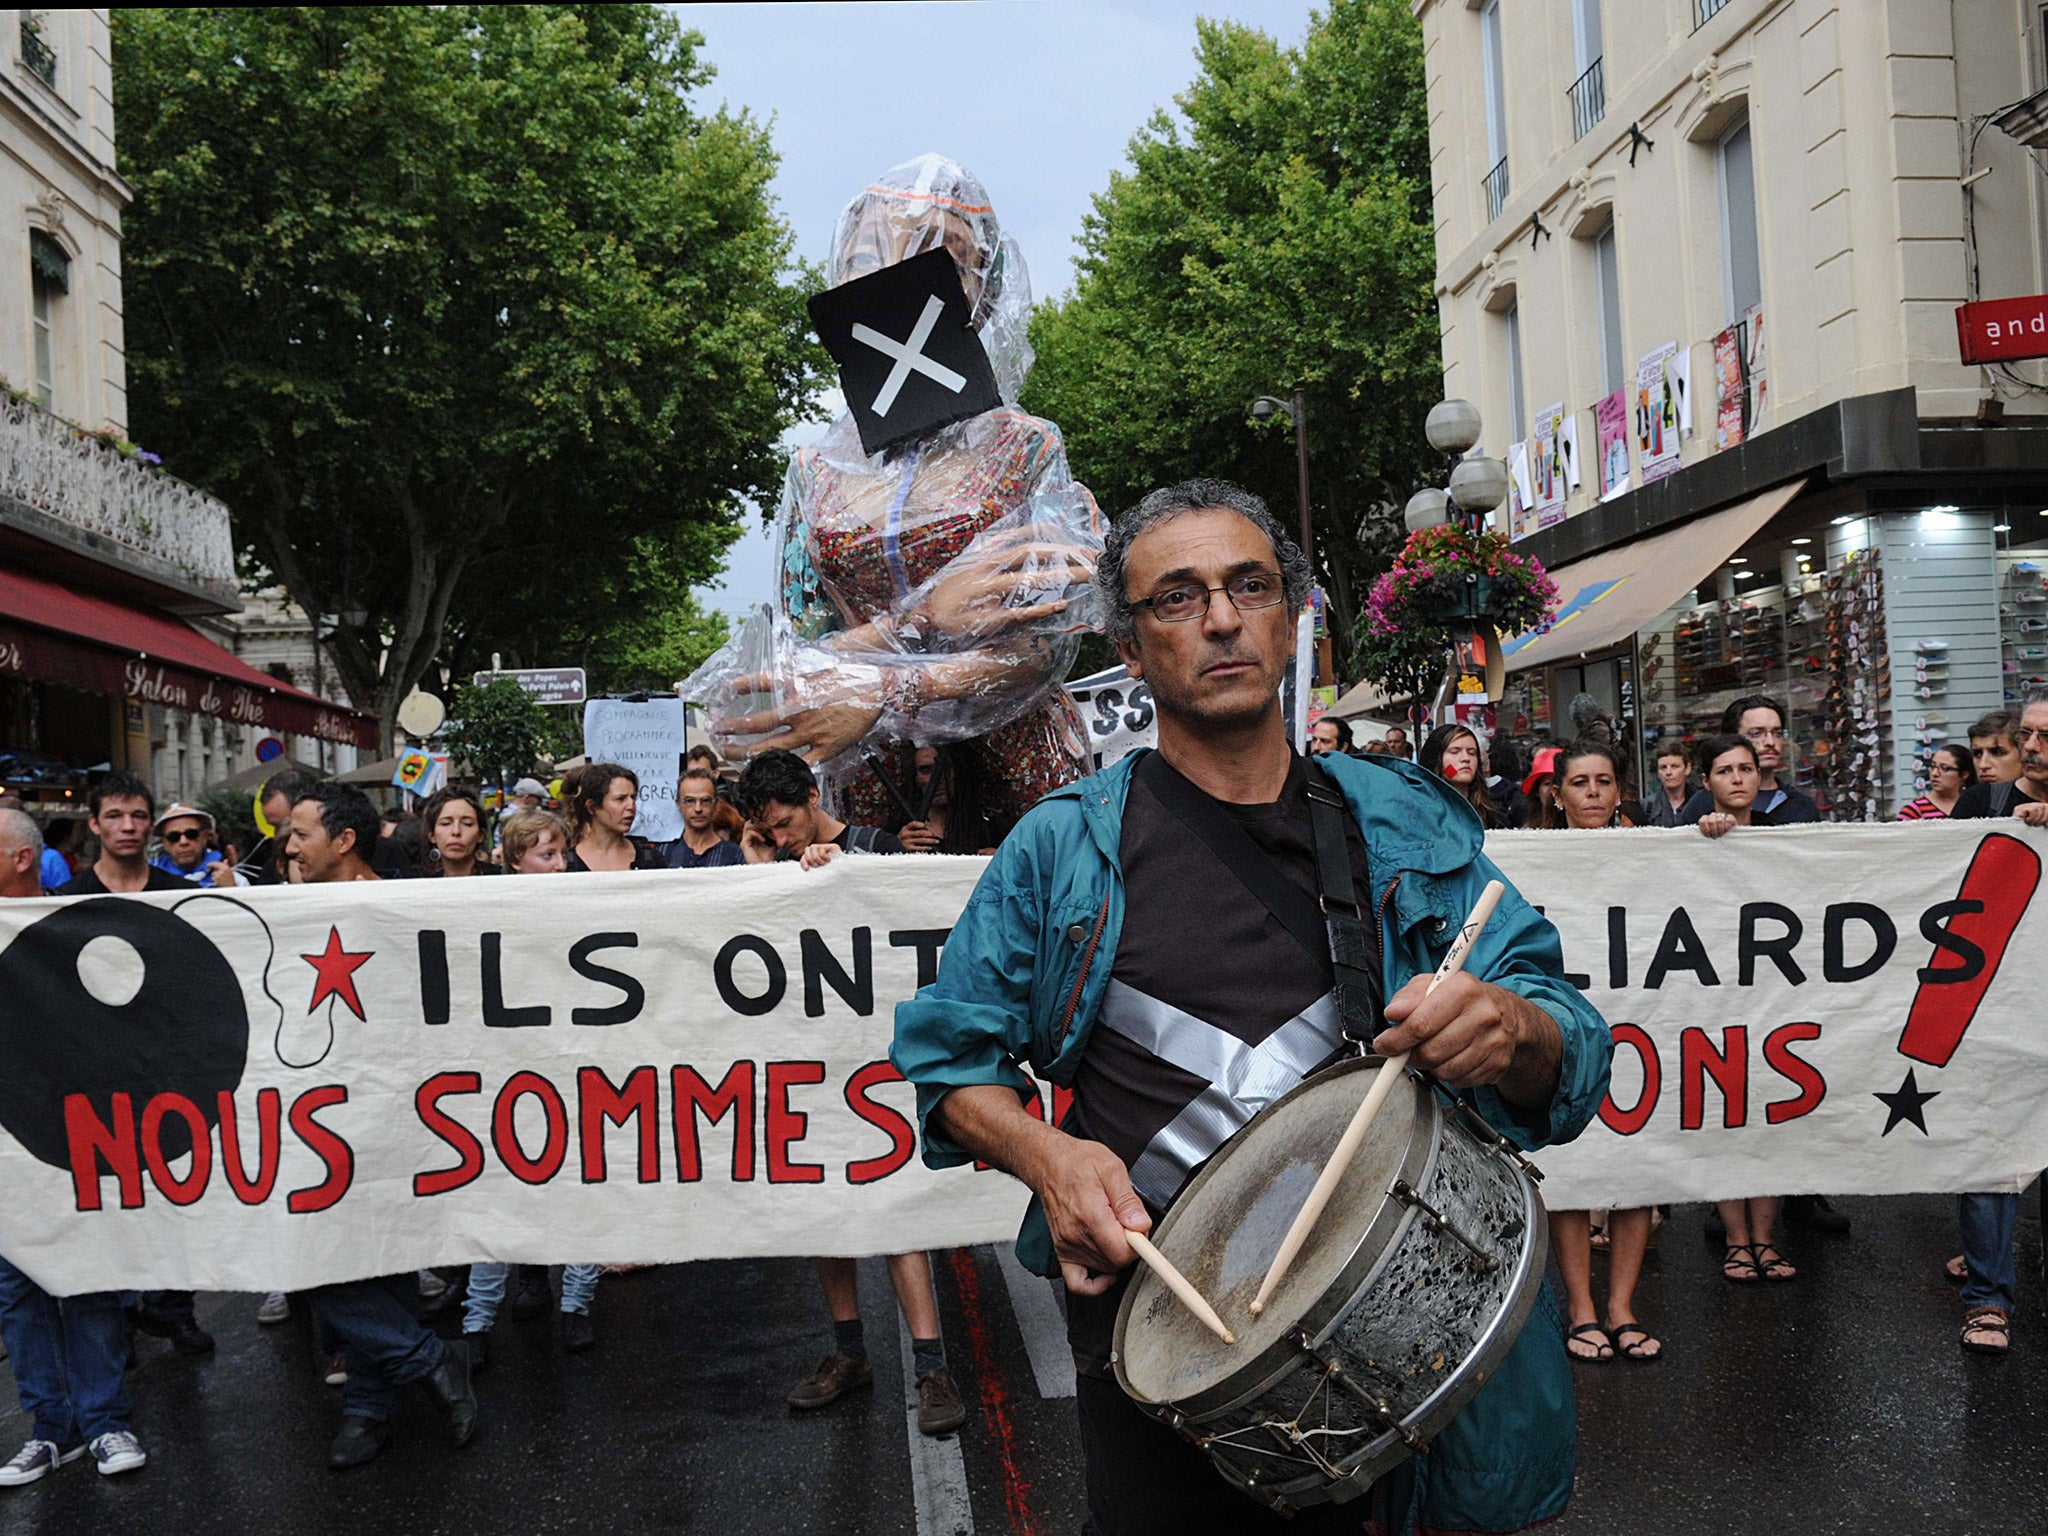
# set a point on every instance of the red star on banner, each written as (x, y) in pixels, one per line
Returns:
(336, 974)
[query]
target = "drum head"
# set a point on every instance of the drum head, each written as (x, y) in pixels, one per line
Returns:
(1225, 1228)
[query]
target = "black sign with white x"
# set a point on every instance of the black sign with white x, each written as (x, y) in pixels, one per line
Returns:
(908, 359)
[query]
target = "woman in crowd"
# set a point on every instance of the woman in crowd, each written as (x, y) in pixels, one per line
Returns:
(1729, 765)
(1539, 789)
(1949, 773)
(602, 808)
(1451, 752)
(957, 820)
(454, 823)
(1589, 796)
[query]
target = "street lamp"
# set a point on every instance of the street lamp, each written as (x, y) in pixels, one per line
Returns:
(1265, 408)
(1427, 508)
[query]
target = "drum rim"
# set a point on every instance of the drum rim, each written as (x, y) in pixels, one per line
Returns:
(1260, 1373)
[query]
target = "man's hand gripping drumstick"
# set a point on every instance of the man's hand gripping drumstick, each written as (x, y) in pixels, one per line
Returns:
(1465, 1032)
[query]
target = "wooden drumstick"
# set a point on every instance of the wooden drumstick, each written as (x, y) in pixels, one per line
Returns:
(1178, 1283)
(1361, 1122)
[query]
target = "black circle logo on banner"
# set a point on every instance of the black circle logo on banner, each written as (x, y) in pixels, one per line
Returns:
(110, 996)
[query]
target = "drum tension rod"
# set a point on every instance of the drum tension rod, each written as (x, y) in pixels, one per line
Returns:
(1476, 1124)
(1406, 1193)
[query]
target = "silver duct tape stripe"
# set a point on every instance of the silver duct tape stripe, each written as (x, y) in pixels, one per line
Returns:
(1243, 1079)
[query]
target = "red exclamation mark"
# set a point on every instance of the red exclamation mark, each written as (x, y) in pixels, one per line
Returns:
(1980, 922)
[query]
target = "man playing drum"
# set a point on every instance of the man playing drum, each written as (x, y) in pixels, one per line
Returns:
(1138, 939)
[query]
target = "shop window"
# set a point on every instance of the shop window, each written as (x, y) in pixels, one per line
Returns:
(1607, 283)
(1741, 259)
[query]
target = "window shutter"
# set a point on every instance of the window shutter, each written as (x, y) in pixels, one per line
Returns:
(47, 260)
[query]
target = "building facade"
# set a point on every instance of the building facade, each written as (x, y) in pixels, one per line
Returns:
(1699, 264)
(107, 564)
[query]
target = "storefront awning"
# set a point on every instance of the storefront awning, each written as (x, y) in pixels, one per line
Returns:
(1610, 596)
(54, 633)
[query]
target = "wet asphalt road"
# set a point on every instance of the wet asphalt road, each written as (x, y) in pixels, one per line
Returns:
(1839, 1403)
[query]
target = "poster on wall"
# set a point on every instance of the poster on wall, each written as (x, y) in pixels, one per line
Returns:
(1568, 450)
(1521, 495)
(1546, 466)
(1729, 392)
(1758, 362)
(1610, 439)
(1663, 408)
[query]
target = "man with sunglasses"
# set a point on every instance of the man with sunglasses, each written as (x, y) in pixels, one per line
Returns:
(1155, 938)
(1760, 720)
(186, 833)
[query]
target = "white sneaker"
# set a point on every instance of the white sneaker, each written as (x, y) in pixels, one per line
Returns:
(118, 1451)
(35, 1461)
(276, 1308)
(1930, 645)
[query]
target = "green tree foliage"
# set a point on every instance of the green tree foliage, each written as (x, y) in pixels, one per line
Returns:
(1281, 237)
(463, 310)
(497, 731)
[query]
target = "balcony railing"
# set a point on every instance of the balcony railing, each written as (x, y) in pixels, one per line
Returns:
(53, 468)
(1589, 99)
(1497, 189)
(35, 53)
(1704, 11)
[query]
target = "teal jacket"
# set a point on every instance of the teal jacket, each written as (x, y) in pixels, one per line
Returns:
(1022, 980)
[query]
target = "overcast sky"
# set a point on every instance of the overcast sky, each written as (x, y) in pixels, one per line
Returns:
(1039, 98)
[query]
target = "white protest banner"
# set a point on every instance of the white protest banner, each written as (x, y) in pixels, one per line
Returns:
(1852, 1010)
(646, 736)
(1117, 710)
(265, 1089)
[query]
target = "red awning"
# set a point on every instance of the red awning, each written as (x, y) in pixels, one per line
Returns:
(56, 633)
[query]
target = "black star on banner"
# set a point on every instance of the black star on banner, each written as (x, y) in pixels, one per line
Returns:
(1906, 1104)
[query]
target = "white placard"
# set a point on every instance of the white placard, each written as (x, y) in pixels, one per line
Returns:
(646, 736)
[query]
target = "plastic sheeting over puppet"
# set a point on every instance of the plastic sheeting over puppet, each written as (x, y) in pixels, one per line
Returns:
(935, 593)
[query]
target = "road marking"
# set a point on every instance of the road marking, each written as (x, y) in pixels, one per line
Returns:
(909, 355)
(1039, 1320)
(938, 1470)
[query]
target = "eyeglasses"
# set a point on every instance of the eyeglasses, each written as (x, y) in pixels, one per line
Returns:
(689, 800)
(2029, 736)
(1248, 591)
(193, 836)
(1765, 733)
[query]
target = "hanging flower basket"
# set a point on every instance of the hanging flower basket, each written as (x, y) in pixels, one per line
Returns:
(1446, 576)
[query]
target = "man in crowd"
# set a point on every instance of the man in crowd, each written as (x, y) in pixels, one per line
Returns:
(778, 794)
(266, 860)
(700, 846)
(60, 839)
(2025, 794)
(1328, 735)
(1397, 744)
(1995, 749)
(68, 1353)
(186, 833)
(528, 794)
(1760, 721)
(1665, 805)
(331, 837)
(1192, 960)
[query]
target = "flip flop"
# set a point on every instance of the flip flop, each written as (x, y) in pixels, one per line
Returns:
(1590, 1332)
(1634, 1352)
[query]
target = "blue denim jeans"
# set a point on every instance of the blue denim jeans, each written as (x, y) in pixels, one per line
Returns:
(382, 1337)
(68, 1355)
(487, 1292)
(1987, 1223)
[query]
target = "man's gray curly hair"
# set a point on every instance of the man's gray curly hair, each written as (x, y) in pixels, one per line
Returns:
(1199, 495)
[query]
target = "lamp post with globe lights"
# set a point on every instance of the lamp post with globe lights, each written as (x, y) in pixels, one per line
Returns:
(1265, 408)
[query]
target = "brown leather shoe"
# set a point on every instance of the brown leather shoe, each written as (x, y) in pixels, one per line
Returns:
(835, 1376)
(939, 1409)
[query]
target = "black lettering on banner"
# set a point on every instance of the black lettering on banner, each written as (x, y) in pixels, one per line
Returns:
(689, 1093)
(784, 1126)
(728, 989)
(927, 942)
(1729, 1067)
(1799, 1072)
(496, 1014)
(821, 966)
(637, 1099)
(633, 996)
(1934, 928)
(269, 1145)
(1751, 945)
(469, 1152)
(92, 1140)
(1680, 949)
(188, 1189)
(1626, 1122)
(1617, 947)
(1884, 939)
(504, 1137)
(433, 944)
(902, 1139)
(338, 1156)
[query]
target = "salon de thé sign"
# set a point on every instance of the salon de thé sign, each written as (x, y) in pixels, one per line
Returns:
(2000, 330)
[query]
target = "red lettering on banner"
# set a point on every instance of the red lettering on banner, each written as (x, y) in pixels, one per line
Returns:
(1801, 1074)
(734, 1096)
(188, 1189)
(902, 1139)
(469, 1152)
(1995, 893)
(530, 1170)
(785, 1125)
(269, 1136)
(1729, 1067)
(330, 1148)
(91, 1140)
(1626, 1122)
(597, 1102)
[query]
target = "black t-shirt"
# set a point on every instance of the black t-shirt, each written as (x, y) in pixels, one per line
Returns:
(87, 882)
(1985, 800)
(1199, 941)
(1780, 807)
(868, 840)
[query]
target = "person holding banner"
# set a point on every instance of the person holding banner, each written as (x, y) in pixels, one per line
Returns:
(1112, 938)
(454, 820)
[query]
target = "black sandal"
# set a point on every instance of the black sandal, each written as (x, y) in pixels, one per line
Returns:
(1635, 1353)
(1736, 1269)
(1589, 1332)
(1777, 1269)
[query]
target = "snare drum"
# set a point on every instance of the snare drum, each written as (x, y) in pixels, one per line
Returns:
(1409, 1292)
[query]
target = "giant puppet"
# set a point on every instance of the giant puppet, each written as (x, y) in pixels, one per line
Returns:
(935, 551)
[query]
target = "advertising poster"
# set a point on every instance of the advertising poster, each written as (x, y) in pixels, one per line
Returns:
(1568, 450)
(1728, 388)
(1663, 408)
(1610, 436)
(1521, 498)
(1546, 466)
(1759, 365)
